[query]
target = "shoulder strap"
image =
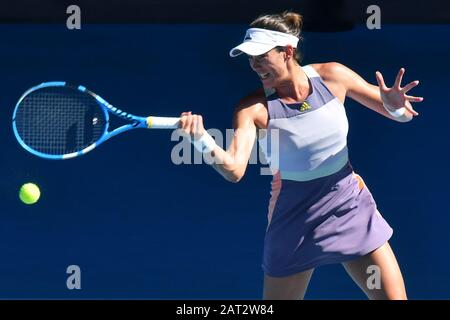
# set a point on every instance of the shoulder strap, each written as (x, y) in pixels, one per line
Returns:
(310, 71)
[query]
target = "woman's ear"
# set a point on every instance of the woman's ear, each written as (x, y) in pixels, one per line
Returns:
(289, 52)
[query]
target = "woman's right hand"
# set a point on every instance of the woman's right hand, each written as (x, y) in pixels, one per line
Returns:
(192, 125)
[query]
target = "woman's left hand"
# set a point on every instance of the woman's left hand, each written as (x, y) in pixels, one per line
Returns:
(396, 97)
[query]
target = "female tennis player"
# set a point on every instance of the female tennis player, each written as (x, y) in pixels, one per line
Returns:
(320, 211)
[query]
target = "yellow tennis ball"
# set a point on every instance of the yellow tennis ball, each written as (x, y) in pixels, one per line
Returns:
(29, 193)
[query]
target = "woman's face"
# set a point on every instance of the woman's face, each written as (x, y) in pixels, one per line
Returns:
(270, 67)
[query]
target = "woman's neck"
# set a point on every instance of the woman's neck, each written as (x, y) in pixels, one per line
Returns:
(295, 89)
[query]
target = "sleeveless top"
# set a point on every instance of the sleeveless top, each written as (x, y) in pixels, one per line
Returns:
(306, 141)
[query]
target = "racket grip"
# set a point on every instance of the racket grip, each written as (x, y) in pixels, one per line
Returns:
(163, 122)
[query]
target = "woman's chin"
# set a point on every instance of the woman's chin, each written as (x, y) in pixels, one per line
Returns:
(267, 82)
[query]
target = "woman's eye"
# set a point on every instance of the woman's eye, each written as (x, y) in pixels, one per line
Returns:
(257, 58)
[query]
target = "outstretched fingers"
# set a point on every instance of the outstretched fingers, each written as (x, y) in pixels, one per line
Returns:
(413, 99)
(380, 81)
(398, 79)
(409, 107)
(409, 86)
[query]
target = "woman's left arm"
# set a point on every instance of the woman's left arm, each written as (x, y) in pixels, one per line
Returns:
(378, 98)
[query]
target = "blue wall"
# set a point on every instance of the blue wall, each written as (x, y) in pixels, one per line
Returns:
(132, 220)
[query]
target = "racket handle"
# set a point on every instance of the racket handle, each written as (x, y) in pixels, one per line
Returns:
(162, 122)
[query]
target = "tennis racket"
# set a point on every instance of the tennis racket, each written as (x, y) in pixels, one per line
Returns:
(55, 120)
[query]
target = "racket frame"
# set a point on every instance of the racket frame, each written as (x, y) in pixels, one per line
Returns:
(136, 122)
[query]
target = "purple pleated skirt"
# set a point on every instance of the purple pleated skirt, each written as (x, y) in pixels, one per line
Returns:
(326, 220)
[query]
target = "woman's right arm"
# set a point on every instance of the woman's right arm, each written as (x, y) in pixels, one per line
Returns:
(230, 163)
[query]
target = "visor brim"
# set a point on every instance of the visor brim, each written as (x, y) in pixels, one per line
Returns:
(251, 48)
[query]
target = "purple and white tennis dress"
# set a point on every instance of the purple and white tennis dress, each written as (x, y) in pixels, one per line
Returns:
(320, 211)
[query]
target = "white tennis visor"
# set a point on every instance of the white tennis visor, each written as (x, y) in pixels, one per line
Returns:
(258, 41)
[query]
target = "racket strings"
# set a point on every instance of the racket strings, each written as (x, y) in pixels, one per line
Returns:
(59, 120)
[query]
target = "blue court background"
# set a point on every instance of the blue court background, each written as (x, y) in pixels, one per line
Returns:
(141, 227)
